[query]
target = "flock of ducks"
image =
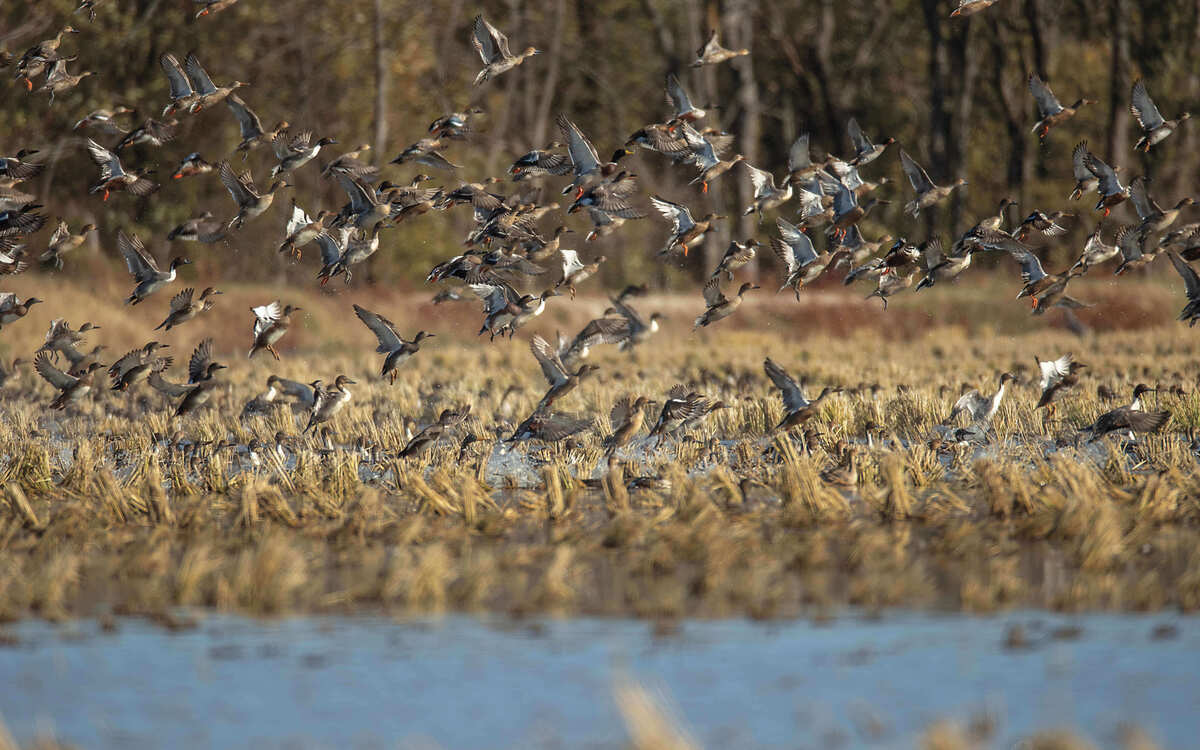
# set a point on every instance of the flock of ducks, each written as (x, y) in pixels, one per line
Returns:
(505, 246)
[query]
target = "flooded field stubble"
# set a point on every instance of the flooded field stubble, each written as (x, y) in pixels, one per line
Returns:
(118, 508)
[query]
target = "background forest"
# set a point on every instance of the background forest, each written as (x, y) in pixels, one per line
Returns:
(952, 91)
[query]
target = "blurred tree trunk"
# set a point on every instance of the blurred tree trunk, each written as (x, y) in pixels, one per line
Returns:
(1118, 84)
(741, 34)
(1014, 108)
(381, 85)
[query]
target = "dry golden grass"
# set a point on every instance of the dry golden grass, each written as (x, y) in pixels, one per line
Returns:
(117, 507)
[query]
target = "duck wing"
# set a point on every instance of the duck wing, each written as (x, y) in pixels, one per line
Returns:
(1079, 162)
(712, 292)
(180, 85)
(1190, 280)
(583, 154)
(384, 330)
(201, 83)
(677, 97)
(1054, 370)
(52, 374)
(798, 155)
(182, 300)
(790, 391)
(331, 250)
(1031, 267)
(199, 361)
(548, 360)
(1142, 202)
(61, 232)
(571, 262)
(799, 243)
(1143, 107)
(240, 186)
(265, 316)
(917, 176)
(762, 180)
(248, 123)
(1047, 102)
(679, 215)
(297, 221)
(140, 264)
(862, 144)
(109, 163)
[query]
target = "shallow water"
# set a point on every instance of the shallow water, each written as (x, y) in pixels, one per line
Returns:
(459, 682)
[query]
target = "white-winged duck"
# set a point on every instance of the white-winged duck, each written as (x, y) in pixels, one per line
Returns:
(302, 229)
(1057, 376)
(1155, 128)
(575, 271)
(271, 322)
(144, 269)
(397, 351)
(492, 47)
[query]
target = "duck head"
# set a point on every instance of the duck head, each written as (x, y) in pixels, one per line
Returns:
(344, 380)
(746, 288)
(178, 261)
(422, 335)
